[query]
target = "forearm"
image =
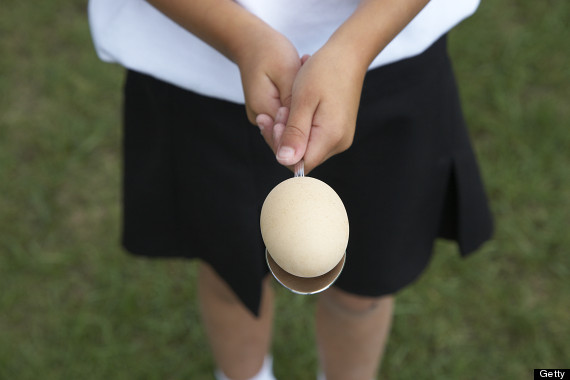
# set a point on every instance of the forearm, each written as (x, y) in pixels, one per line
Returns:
(223, 24)
(371, 27)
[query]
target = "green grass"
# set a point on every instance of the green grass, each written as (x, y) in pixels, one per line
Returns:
(74, 306)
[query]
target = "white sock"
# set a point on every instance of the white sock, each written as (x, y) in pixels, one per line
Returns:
(265, 373)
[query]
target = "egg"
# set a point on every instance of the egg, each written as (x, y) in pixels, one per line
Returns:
(304, 226)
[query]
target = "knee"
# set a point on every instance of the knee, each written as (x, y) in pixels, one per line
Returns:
(351, 305)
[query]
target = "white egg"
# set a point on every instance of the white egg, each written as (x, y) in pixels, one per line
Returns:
(304, 226)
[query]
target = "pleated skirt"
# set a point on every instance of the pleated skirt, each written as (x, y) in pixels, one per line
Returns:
(196, 173)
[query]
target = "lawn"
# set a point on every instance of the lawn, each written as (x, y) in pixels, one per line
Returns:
(73, 305)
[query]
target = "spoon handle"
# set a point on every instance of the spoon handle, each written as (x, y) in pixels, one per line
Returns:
(300, 168)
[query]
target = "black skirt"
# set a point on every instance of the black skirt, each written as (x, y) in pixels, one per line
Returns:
(196, 173)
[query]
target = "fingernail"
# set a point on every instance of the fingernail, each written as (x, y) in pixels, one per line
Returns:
(285, 154)
(258, 122)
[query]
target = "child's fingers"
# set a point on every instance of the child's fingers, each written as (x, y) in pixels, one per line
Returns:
(265, 124)
(295, 136)
(263, 121)
(284, 83)
(282, 115)
(262, 100)
(272, 130)
(277, 134)
(278, 127)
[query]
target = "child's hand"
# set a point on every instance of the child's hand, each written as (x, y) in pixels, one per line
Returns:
(326, 91)
(268, 68)
(324, 105)
(323, 95)
(267, 60)
(272, 127)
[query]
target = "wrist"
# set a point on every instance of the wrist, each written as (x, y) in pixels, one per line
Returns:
(252, 36)
(372, 26)
(255, 37)
(345, 58)
(357, 45)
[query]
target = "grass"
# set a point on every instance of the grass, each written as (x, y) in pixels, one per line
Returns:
(74, 306)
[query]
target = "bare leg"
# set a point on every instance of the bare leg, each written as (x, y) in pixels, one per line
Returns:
(351, 334)
(238, 339)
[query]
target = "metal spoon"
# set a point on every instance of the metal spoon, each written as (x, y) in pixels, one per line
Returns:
(303, 285)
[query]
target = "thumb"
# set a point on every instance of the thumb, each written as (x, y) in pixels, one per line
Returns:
(284, 85)
(284, 82)
(293, 143)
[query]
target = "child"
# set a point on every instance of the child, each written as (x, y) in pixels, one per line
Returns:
(363, 91)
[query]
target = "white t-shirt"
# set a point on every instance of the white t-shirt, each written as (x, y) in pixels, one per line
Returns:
(139, 37)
